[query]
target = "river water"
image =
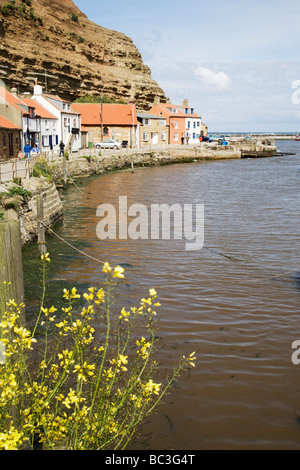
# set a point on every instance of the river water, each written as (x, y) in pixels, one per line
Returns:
(235, 302)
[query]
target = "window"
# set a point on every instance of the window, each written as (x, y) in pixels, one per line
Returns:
(192, 111)
(176, 124)
(162, 122)
(189, 124)
(194, 135)
(74, 122)
(66, 122)
(194, 124)
(105, 131)
(145, 136)
(46, 124)
(163, 136)
(175, 137)
(198, 123)
(147, 121)
(45, 140)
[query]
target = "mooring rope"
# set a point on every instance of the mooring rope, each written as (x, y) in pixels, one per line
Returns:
(73, 181)
(72, 246)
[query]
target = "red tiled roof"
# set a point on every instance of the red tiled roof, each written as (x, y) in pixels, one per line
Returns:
(12, 100)
(38, 108)
(6, 124)
(113, 114)
(165, 108)
(9, 97)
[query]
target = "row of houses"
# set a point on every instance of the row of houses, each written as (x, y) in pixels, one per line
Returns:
(45, 120)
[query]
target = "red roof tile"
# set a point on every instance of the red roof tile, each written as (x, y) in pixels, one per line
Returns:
(6, 124)
(38, 108)
(166, 109)
(113, 114)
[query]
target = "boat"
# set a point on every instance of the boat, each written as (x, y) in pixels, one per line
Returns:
(297, 138)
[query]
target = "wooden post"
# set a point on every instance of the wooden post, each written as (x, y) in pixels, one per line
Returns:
(11, 263)
(42, 246)
(65, 170)
(27, 169)
(14, 169)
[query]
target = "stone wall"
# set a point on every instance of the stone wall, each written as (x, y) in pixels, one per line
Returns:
(27, 211)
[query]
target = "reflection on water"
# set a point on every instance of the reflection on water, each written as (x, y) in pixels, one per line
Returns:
(235, 302)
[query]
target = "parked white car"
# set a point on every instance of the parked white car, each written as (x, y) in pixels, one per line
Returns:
(108, 144)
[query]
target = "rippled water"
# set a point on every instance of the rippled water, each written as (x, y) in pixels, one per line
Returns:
(236, 302)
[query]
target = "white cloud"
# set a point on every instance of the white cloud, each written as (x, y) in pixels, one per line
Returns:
(215, 81)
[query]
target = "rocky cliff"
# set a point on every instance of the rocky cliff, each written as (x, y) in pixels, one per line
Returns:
(70, 55)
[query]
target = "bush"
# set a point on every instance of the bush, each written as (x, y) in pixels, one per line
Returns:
(7, 8)
(19, 191)
(74, 17)
(42, 168)
(81, 386)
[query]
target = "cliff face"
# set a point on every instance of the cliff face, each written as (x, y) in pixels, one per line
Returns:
(56, 43)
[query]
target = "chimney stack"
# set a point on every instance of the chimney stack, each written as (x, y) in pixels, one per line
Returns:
(37, 89)
(156, 100)
(185, 103)
(14, 90)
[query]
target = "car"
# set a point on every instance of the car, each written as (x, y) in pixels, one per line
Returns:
(214, 137)
(108, 144)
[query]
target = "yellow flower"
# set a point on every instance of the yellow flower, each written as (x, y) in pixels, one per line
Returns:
(106, 268)
(118, 272)
(151, 388)
(124, 315)
(11, 439)
(88, 296)
(100, 296)
(45, 258)
(85, 369)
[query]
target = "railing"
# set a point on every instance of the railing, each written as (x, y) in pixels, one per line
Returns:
(16, 168)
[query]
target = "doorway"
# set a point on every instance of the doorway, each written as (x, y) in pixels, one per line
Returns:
(154, 138)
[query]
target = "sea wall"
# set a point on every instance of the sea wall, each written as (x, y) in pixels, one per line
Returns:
(25, 209)
(89, 161)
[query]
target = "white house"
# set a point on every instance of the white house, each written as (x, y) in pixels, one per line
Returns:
(46, 126)
(192, 122)
(68, 120)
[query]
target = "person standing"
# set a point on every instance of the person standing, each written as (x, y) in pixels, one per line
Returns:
(27, 150)
(61, 149)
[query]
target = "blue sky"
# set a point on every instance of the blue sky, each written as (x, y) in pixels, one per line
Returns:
(236, 61)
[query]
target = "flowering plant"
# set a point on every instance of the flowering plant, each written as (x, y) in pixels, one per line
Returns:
(89, 381)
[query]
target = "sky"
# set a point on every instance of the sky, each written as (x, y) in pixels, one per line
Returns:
(237, 62)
